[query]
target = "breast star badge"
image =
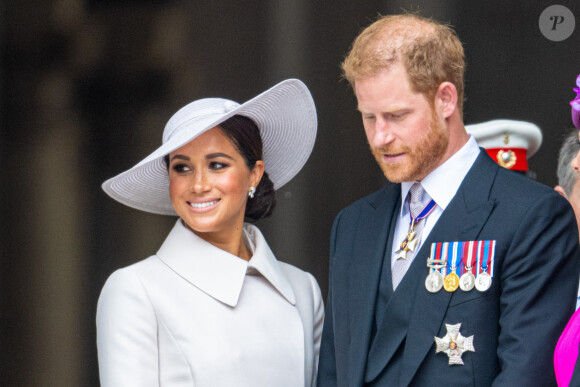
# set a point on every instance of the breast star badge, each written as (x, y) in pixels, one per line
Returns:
(454, 344)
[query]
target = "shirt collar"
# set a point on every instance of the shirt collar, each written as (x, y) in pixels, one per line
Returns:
(442, 183)
(218, 273)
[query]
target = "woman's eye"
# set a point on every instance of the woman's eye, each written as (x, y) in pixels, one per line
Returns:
(180, 168)
(217, 165)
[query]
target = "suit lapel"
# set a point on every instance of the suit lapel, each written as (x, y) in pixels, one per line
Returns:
(462, 220)
(364, 274)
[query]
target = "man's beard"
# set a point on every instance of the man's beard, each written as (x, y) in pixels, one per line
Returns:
(421, 159)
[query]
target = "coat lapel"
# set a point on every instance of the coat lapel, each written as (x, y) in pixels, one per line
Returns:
(365, 268)
(462, 220)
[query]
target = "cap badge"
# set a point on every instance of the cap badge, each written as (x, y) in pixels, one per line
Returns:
(506, 159)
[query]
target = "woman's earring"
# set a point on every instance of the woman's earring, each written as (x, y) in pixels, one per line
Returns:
(251, 192)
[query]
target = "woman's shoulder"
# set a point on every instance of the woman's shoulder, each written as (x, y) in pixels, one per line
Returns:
(129, 277)
(300, 278)
(125, 295)
(307, 292)
(294, 271)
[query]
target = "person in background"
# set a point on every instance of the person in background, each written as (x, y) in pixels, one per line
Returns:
(510, 143)
(566, 360)
(459, 272)
(568, 179)
(214, 307)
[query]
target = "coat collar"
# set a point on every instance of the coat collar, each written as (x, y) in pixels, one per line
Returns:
(218, 273)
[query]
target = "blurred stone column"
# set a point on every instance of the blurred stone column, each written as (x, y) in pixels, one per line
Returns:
(44, 256)
(54, 176)
(286, 54)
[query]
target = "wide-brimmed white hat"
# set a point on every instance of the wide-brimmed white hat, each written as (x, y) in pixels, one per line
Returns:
(285, 115)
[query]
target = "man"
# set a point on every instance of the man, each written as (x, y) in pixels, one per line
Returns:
(568, 181)
(389, 322)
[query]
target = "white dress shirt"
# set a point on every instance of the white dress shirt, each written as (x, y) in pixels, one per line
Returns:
(441, 185)
(195, 315)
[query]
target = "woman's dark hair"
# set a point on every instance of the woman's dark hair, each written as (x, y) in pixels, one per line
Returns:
(245, 136)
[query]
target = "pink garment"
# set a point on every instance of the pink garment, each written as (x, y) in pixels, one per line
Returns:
(566, 351)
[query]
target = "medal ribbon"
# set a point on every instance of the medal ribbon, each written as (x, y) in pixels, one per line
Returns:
(465, 257)
(452, 265)
(423, 214)
(489, 253)
(485, 256)
(436, 255)
(444, 257)
(472, 257)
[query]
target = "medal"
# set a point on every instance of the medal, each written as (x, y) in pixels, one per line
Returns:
(485, 258)
(409, 244)
(453, 344)
(467, 279)
(434, 280)
(451, 282)
(483, 281)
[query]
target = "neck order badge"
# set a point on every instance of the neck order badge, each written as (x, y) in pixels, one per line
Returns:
(410, 242)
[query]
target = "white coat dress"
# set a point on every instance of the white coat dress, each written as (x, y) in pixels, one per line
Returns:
(195, 315)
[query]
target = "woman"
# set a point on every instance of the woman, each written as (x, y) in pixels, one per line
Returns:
(566, 359)
(214, 307)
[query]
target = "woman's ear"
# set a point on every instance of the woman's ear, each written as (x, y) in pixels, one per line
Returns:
(257, 173)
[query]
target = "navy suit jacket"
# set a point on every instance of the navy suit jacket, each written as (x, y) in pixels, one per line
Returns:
(515, 324)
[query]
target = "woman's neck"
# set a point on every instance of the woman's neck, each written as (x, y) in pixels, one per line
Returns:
(232, 242)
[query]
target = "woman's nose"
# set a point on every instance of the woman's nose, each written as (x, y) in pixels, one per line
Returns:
(200, 182)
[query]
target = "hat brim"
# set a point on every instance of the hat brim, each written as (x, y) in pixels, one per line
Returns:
(286, 117)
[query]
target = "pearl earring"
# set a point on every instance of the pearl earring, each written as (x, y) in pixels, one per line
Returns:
(251, 192)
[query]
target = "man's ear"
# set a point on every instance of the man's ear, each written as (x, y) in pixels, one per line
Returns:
(560, 190)
(446, 96)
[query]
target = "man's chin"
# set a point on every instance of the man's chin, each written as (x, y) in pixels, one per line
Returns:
(396, 175)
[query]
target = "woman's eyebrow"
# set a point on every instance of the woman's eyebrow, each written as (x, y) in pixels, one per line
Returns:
(218, 154)
(181, 157)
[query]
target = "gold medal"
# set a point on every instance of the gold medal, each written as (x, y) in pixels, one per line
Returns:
(451, 282)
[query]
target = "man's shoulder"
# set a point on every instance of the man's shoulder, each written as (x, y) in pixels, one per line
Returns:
(507, 184)
(511, 183)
